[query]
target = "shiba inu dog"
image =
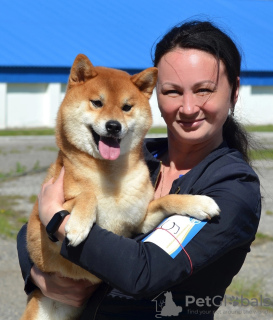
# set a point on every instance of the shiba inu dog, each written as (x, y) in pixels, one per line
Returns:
(101, 125)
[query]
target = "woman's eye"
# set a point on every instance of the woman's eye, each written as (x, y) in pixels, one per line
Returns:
(171, 93)
(127, 107)
(204, 91)
(96, 103)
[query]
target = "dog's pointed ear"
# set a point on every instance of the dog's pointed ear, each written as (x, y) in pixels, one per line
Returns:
(81, 70)
(146, 81)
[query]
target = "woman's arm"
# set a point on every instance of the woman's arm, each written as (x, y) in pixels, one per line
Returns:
(68, 291)
(143, 269)
(24, 260)
(65, 290)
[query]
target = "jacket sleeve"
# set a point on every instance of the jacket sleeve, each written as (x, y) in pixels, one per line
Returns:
(142, 269)
(24, 260)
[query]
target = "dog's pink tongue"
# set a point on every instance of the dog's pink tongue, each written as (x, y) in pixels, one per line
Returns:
(109, 148)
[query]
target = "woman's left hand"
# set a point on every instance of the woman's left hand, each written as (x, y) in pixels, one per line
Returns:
(51, 198)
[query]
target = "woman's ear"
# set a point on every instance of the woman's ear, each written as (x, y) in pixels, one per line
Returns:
(236, 93)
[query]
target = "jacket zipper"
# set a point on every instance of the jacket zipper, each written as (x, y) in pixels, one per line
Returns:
(155, 184)
(177, 190)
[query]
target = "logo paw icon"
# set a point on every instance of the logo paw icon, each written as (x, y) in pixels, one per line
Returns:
(234, 301)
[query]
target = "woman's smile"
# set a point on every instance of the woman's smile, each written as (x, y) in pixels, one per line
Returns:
(192, 124)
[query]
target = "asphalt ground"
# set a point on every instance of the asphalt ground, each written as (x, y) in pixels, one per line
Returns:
(26, 159)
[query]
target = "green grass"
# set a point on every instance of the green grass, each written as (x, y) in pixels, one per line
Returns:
(36, 165)
(19, 169)
(246, 288)
(28, 132)
(32, 198)
(14, 151)
(10, 220)
(266, 154)
(261, 238)
(264, 128)
(158, 130)
(251, 290)
(48, 148)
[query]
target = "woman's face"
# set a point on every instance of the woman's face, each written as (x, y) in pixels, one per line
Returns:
(194, 96)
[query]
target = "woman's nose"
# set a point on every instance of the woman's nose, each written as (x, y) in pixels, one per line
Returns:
(188, 104)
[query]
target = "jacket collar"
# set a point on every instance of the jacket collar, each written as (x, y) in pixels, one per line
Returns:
(151, 148)
(155, 146)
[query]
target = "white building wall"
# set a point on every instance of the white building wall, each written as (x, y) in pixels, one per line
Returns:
(158, 121)
(3, 105)
(255, 105)
(30, 105)
(36, 105)
(25, 104)
(51, 103)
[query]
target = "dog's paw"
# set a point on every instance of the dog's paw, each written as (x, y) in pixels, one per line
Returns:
(204, 208)
(77, 230)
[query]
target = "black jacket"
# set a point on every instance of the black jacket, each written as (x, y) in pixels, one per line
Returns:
(136, 274)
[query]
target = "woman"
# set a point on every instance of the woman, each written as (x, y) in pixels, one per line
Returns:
(206, 152)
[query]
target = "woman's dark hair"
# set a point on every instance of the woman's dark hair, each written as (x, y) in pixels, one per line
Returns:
(205, 36)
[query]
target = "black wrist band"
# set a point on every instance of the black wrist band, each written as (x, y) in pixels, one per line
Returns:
(55, 223)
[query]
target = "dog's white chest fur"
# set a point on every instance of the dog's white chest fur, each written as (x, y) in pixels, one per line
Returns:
(50, 309)
(119, 202)
(124, 204)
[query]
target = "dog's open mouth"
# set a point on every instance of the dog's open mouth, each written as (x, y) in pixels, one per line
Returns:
(109, 147)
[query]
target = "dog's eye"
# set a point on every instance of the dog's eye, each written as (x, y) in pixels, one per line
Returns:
(127, 107)
(96, 103)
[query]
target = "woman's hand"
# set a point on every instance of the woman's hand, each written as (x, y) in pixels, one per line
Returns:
(51, 198)
(54, 286)
(72, 292)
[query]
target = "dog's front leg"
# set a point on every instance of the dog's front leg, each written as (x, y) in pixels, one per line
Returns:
(197, 206)
(82, 218)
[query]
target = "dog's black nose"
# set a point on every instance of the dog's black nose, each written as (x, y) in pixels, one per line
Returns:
(113, 127)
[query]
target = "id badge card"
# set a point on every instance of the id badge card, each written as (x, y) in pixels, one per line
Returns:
(174, 233)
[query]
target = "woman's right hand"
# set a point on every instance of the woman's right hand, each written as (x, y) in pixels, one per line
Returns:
(68, 291)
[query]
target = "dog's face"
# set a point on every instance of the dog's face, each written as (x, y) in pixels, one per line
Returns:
(106, 112)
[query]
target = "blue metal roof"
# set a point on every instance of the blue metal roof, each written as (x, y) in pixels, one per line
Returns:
(120, 34)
